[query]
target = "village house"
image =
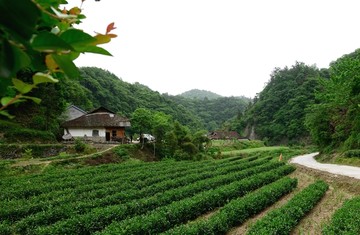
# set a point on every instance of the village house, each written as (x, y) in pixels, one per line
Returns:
(223, 135)
(98, 125)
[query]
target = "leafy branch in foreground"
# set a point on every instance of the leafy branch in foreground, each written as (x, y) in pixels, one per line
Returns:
(38, 36)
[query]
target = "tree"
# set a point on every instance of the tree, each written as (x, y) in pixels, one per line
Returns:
(278, 113)
(333, 120)
(142, 120)
(39, 37)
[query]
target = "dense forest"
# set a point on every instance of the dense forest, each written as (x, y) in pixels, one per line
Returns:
(200, 94)
(306, 104)
(97, 87)
(300, 104)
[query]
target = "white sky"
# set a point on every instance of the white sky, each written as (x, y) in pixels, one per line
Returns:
(229, 47)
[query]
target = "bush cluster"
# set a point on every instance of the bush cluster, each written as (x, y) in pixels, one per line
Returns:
(345, 220)
(285, 218)
(352, 153)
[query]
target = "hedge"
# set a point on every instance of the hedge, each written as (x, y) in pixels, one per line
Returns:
(284, 219)
(345, 220)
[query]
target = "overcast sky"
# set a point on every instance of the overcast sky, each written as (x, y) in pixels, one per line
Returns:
(229, 47)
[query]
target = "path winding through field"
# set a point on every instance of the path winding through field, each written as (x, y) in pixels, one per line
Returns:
(309, 161)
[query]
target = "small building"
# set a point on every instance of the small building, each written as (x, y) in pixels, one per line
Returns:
(223, 135)
(98, 125)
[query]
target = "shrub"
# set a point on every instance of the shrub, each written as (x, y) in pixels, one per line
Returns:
(79, 145)
(345, 220)
(352, 153)
(28, 154)
(121, 152)
(28, 135)
(285, 218)
(181, 155)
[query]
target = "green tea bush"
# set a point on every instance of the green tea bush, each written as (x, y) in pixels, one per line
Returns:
(284, 219)
(345, 220)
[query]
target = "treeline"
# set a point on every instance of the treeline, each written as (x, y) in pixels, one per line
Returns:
(98, 87)
(307, 104)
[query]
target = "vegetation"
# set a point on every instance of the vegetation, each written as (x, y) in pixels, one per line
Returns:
(284, 219)
(333, 120)
(38, 44)
(278, 113)
(56, 202)
(238, 210)
(346, 220)
(200, 94)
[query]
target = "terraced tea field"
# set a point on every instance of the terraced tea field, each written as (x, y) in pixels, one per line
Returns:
(161, 197)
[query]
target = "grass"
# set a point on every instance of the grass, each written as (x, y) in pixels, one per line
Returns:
(337, 158)
(252, 150)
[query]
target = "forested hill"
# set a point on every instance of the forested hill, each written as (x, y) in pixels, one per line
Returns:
(303, 102)
(278, 113)
(200, 94)
(98, 87)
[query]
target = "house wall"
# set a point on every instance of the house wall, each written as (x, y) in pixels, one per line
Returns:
(81, 132)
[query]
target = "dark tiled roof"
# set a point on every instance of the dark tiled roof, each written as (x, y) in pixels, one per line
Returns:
(224, 135)
(98, 119)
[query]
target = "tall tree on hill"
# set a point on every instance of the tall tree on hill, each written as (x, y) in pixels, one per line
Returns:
(334, 121)
(278, 113)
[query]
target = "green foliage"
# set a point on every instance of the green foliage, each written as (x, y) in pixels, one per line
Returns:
(190, 208)
(200, 94)
(345, 220)
(28, 135)
(79, 145)
(38, 36)
(238, 210)
(285, 218)
(278, 113)
(121, 152)
(333, 120)
(28, 154)
(352, 153)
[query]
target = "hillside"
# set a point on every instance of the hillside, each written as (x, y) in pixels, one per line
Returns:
(98, 87)
(200, 94)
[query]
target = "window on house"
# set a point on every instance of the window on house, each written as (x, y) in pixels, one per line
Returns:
(113, 133)
(95, 133)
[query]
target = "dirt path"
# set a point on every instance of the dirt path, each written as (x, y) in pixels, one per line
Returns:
(38, 161)
(309, 161)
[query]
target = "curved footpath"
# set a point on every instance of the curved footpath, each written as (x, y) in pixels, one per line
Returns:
(309, 161)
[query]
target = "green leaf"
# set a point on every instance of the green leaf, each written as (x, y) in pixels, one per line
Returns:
(21, 86)
(43, 78)
(46, 41)
(12, 59)
(35, 99)
(4, 85)
(6, 100)
(77, 38)
(67, 65)
(19, 17)
(94, 49)
(6, 114)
